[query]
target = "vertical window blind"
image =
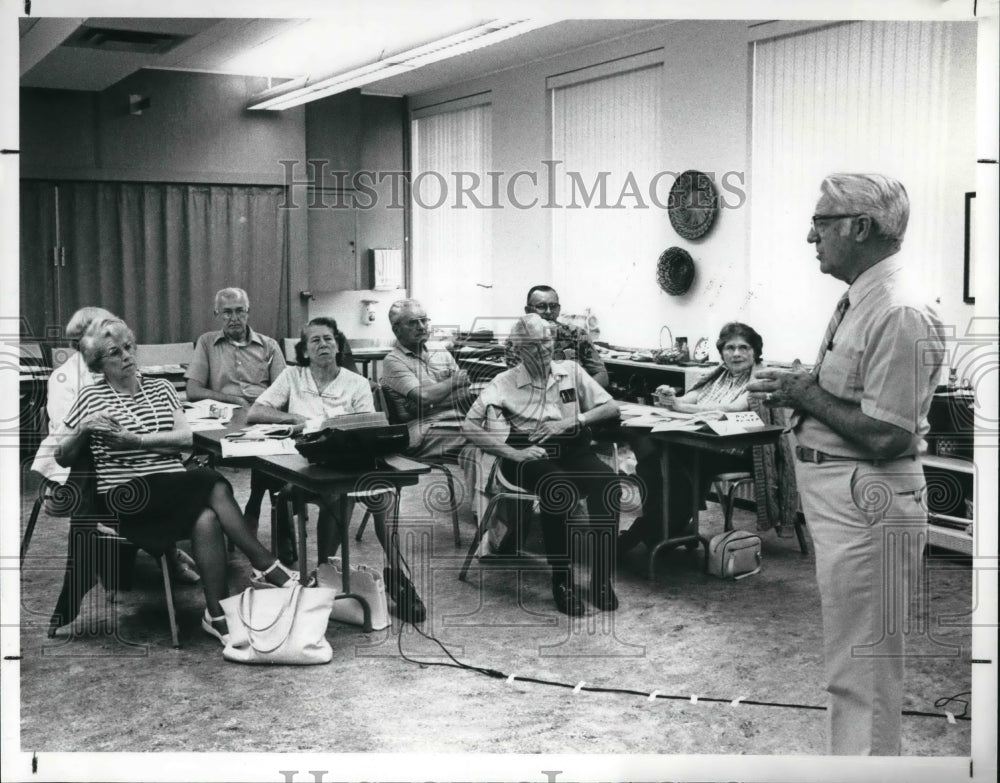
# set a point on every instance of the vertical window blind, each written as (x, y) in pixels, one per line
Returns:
(606, 134)
(452, 268)
(861, 96)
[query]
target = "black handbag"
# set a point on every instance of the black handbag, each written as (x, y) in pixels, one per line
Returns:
(357, 448)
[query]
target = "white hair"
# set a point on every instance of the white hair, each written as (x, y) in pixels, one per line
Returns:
(882, 198)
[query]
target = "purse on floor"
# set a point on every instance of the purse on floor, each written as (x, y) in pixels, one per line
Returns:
(366, 582)
(734, 555)
(279, 626)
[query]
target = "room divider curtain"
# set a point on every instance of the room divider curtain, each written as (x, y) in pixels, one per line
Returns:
(154, 253)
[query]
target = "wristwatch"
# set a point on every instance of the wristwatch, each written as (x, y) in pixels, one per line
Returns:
(581, 420)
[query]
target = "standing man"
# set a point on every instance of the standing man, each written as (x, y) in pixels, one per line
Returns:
(859, 420)
(235, 365)
(571, 341)
(424, 387)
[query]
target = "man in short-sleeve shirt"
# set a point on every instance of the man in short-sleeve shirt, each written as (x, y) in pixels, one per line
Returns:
(535, 418)
(235, 365)
(424, 387)
(859, 420)
(571, 342)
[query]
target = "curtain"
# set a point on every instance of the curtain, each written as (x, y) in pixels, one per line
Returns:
(862, 96)
(452, 266)
(155, 254)
(607, 136)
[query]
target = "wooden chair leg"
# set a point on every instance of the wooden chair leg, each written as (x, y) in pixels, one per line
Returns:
(30, 529)
(169, 592)
(482, 531)
(800, 534)
(451, 500)
(728, 510)
(364, 524)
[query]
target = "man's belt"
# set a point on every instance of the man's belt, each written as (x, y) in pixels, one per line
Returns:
(805, 454)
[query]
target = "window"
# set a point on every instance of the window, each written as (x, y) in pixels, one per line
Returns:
(452, 151)
(606, 136)
(862, 96)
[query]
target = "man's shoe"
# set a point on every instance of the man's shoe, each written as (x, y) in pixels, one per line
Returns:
(409, 607)
(602, 595)
(568, 600)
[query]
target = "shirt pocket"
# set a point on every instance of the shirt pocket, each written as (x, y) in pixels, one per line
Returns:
(840, 375)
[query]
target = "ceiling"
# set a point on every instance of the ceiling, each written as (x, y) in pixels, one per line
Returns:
(95, 53)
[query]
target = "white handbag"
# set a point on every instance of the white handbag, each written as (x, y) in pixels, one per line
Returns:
(279, 626)
(734, 555)
(366, 582)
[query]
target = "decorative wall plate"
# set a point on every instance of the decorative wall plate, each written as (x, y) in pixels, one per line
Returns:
(692, 204)
(675, 270)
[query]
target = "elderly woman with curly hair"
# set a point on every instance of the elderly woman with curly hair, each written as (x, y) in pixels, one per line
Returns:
(135, 428)
(318, 388)
(722, 390)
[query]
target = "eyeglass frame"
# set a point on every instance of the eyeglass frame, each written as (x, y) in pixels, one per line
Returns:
(229, 313)
(814, 218)
(546, 307)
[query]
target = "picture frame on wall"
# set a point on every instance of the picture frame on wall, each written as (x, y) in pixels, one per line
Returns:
(969, 284)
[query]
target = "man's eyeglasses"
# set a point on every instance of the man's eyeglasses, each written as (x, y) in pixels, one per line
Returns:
(831, 217)
(413, 323)
(235, 312)
(546, 307)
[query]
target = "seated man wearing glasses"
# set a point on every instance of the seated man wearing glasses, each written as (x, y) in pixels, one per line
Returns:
(571, 342)
(235, 365)
(424, 387)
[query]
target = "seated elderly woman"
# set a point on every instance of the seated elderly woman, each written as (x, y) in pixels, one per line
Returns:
(135, 428)
(63, 388)
(725, 390)
(535, 418)
(319, 388)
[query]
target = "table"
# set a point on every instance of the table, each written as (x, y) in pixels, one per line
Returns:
(327, 486)
(366, 356)
(698, 441)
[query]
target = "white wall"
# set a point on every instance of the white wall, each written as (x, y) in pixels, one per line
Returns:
(345, 307)
(706, 106)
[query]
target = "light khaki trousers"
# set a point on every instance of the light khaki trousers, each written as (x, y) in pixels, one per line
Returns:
(869, 527)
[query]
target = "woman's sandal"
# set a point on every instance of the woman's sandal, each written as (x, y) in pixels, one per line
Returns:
(292, 577)
(211, 630)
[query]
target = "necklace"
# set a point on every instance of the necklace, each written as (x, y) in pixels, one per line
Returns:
(123, 404)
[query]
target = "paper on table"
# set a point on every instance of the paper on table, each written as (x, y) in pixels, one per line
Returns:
(720, 423)
(202, 409)
(258, 448)
(199, 425)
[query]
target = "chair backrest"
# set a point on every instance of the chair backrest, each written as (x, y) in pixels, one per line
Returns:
(395, 405)
(165, 353)
(288, 347)
(61, 354)
(32, 354)
(380, 402)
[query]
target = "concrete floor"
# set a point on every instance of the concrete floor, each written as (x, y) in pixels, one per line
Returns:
(115, 683)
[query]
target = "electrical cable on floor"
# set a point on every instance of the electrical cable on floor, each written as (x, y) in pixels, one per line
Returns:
(654, 695)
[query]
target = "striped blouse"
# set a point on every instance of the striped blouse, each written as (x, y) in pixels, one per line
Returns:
(724, 389)
(150, 410)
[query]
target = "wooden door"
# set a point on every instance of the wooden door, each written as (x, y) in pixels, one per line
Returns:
(332, 238)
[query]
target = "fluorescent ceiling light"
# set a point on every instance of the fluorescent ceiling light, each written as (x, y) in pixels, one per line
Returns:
(305, 90)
